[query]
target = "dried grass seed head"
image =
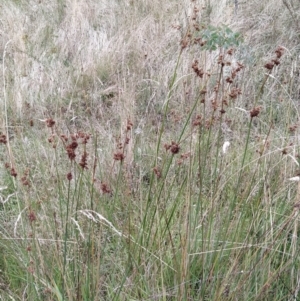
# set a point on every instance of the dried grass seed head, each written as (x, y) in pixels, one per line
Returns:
(3, 139)
(269, 65)
(235, 92)
(129, 125)
(31, 216)
(69, 176)
(83, 161)
(71, 150)
(157, 172)
(50, 122)
(119, 156)
(197, 121)
(199, 71)
(13, 172)
(255, 112)
(279, 51)
(175, 148)
(105, 188)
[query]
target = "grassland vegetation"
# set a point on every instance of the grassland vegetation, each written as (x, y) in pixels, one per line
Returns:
(149, 150)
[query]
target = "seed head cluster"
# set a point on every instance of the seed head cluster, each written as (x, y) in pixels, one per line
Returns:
(83, 161)
(199, 71)
(157, 172)
(255, 112)
(105, 188)
(275, 61)
(71, 150)
(119, 155)
(69, 176)
(174, 147)
(3, 139)
(31, 216)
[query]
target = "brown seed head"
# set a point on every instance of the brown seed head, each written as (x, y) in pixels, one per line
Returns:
(269, 65)
(86, 138)
(167, 146)
(73, 145)
(293, 128)
(13, 172)
(235, 92)
(3, 139)
(51, 139)
(184, 43)
(157, 172)
(230, 51)
(31, 216)
(83, 136)
(279, 51)
(64, 138)
(239, 67)
(220, 60)
(129, 125)
(276, 61)
(105, 188)
(71, 150)
(73, 137)
(50, 122)
(229, 80)
(174, 148)
(255, 112)
(24, 179)
(119, 156)
(83, 161)
(197, 121)
(199, 71)
(69, 176)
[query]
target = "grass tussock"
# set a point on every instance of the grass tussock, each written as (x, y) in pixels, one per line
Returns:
(149, 151)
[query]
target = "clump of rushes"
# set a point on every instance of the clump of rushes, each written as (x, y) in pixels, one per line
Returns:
(193, 219)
